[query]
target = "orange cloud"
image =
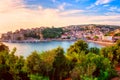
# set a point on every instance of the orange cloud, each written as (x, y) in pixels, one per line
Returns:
(14, 15)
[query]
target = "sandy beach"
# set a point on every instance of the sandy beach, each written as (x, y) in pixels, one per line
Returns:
(102, 43)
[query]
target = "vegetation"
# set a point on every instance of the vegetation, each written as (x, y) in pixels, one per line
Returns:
(96, 37)
(52, 32)
(32, 34)
(112, 53)
(78, 63)
(117, 34)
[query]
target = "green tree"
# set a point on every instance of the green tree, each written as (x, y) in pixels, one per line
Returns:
(37, 77)
(79, 63)
(78, 47)
(58, 64)
(33, 63)
(117, 34)
(118, 43)
(91, 68)
(32, 34)
(54, 61)
(94, 50)
(3, 47)
(4, 68)
(112, 53)
(96, 37)
(52, 33)
(10, 65)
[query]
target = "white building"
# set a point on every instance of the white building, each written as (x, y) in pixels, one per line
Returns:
(107, 38)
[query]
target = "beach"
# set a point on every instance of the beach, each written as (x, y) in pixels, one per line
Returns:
(102, 43)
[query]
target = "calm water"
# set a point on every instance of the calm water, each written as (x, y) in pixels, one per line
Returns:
(25, 49)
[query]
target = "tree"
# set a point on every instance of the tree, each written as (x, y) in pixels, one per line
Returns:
(94, 50)
(33, 63)
(91, 68)
(52, 33)
(118, 43)
(58, 64)
(32, 34)
(10, 65)
(78, 47)
(117, 34)
(3, 47)
(4, 68)
(112, 53)
(54, 61)
(80, 63)
(96, 37)
(37, 77)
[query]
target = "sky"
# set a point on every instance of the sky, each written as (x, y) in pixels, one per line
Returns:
(16, 14)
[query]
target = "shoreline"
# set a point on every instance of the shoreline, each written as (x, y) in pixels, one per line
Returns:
(37, 41)
(102, 43)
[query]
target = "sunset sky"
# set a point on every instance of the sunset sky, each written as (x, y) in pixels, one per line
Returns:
(16, 14)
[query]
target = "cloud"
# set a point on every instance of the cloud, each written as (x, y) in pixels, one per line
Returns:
(62, 6)
(99, 2)
(69, 12)
(15, 15)
(91, 6)
(8, 5)
(114, 8)
(112, 13)
(106, 5)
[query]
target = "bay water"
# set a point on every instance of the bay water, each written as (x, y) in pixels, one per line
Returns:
(25, 49)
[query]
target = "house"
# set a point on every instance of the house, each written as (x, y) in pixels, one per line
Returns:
(107, 38)
(64, 36)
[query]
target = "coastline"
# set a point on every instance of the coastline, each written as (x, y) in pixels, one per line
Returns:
(35, 41)
(47, 40)
(102, 43)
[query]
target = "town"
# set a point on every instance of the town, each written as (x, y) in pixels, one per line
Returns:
(104, 33)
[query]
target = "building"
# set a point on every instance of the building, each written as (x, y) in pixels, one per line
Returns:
(107, 38)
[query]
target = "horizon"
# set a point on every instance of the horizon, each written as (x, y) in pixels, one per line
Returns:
(17, 14)
(55, 27)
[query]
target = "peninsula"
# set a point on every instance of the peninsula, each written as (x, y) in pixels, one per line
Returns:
(91, 32)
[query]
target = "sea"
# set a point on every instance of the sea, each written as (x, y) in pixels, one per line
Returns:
(25, 49)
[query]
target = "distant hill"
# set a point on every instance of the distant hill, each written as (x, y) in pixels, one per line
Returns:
(97, 25)
(110, 27)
